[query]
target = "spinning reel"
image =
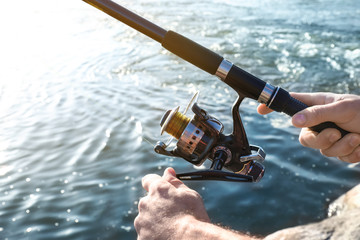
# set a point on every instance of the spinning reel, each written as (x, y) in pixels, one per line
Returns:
(202, 138)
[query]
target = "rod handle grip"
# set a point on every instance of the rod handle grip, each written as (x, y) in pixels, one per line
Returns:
(192, 52)
(283, 102)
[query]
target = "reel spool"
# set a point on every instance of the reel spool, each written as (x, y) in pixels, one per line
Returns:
(201, 137)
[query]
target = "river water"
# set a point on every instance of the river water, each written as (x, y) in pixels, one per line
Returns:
(81, 97)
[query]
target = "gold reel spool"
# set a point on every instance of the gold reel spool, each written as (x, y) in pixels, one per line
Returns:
(174, 122)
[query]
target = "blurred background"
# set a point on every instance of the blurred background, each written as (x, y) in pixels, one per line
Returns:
(81, 97)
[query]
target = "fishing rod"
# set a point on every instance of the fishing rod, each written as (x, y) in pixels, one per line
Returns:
(201, 137)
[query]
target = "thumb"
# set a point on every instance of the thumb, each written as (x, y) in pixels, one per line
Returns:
(170, 176)
(314, 115)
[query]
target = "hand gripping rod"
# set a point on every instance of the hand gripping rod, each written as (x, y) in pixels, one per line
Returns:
(241, 81)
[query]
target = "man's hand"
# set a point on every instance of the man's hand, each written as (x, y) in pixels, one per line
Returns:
(173, 211)
(342, 109)
(164, 212)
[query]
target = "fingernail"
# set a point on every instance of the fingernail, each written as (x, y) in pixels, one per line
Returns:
(299, 119)
(170, 171)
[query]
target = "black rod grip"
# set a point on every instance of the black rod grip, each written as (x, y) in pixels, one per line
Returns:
(192, 52)
(244, 83)
(281, 101)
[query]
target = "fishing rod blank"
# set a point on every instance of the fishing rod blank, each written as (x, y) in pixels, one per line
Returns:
(129, 18)
(244, 83)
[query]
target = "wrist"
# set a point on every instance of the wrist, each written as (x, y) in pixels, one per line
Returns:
(188, 227)
(192, 228)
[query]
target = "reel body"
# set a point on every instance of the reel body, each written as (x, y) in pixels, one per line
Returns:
(201, 138)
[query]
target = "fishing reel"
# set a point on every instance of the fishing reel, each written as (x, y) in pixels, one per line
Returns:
(201, 137)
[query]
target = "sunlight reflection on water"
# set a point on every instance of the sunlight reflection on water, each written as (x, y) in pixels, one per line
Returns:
(81, 97)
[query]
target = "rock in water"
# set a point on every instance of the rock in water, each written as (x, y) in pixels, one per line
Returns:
(343, 222)
(346, 202)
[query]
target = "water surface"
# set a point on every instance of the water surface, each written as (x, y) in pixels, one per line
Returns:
(81, 97)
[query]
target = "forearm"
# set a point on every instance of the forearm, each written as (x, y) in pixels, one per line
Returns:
(192, 228)
(173, 211)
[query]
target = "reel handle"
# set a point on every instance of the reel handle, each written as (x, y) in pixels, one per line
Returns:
(283, 102)
(217, 175)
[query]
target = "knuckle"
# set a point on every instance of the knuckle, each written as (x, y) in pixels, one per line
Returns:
(304, 138)
(303, 141)
(332, 97)
(191, 196)
(145, 179)
(327, 153)
(196, 195)
(347, 106)
(137, 223)
(148, 180)
(160, 189)
(319, 113)
(141, 228)
(350, 143)
(325, 139)
(354, 157)
(142, 203)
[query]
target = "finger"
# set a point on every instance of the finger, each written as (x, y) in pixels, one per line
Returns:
(344, 146)
(263, 109)
(312, 99)
(170, 176)
(354, 157)
(148, 179)
(323, 140)
(315, 115)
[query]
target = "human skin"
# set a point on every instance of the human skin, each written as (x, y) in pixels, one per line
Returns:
(171, 210)
(342, 109)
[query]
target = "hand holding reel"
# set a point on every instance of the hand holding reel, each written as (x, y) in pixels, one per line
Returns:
(201, 138)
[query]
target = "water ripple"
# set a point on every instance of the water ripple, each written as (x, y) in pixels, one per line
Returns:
(81, 98)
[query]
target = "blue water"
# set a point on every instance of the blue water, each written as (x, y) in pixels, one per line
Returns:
(81, 97)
